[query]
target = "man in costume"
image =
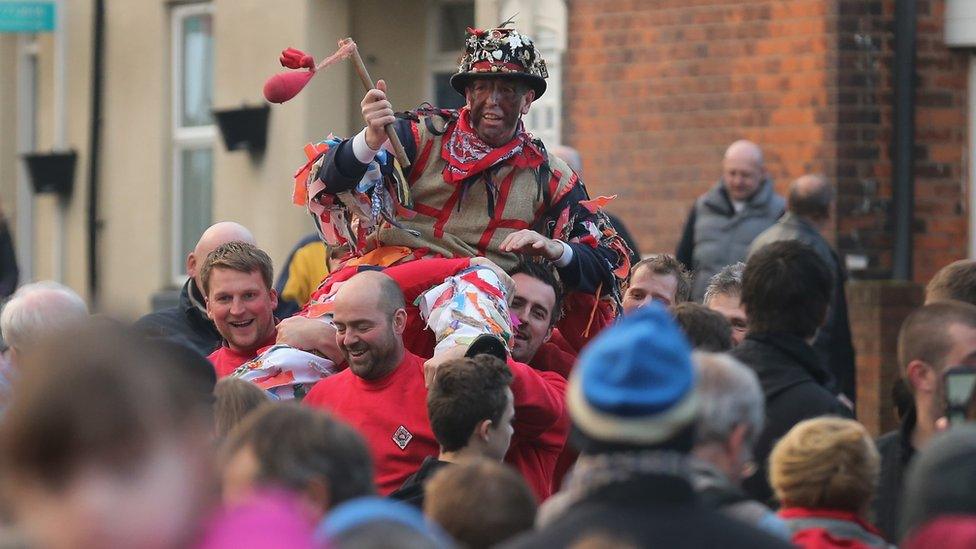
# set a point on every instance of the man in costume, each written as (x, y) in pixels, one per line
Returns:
(478, 184)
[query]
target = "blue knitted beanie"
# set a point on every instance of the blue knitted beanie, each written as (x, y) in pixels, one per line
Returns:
(634, 384)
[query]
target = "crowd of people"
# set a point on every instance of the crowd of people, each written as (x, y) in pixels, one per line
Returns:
(487, 362)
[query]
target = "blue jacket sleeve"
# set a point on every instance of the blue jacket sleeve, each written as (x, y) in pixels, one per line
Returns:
(342, 170)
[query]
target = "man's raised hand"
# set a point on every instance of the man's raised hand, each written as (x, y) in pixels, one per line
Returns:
(377, 112)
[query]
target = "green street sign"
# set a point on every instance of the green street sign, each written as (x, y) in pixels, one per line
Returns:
(27, 16)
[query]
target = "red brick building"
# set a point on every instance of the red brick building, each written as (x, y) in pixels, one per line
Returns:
(655, 91)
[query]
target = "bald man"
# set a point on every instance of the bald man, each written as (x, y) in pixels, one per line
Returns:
(725, 220)
(188, 322)
(383, 395)
(808, 210)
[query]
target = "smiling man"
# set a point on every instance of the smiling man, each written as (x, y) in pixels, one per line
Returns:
(660, 278)
(237, 279)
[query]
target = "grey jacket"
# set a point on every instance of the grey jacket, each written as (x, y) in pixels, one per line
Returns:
(716, 235)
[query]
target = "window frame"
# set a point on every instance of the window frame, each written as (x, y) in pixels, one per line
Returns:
(183, 138)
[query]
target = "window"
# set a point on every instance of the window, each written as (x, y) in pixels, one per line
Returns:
(194, 132)
(448, 22)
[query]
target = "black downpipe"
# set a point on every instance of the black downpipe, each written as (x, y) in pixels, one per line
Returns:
(94, 148)
(903, 153)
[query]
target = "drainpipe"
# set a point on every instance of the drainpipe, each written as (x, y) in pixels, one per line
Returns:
(95, 142)
(903, 190)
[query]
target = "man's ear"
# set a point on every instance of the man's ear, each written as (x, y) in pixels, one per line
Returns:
(548, 333)
(318, 495)
(529, 97)
(399, 321)
(274, 299)
(921, 376)
(481, 430)
(737, 440)
(191, 264)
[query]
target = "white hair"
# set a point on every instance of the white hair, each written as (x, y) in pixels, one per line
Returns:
(37, 309)
(729, 395)
(728, 282)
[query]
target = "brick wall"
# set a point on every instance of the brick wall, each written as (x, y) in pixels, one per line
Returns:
(655, 91)
(865, 114)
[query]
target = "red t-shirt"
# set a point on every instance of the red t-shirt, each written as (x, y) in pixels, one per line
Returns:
(225, 360)
(541, 426)
(390, 413)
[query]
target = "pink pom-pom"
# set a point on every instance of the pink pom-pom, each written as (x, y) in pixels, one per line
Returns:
(283, 86)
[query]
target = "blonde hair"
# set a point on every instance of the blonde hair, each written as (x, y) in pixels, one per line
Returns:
(825, 463)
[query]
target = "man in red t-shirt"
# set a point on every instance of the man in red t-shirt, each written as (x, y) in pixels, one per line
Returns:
(237, 279)
(381, 394)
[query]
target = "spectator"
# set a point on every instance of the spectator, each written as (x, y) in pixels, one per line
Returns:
(240, 300)
(824, 472)
(107, 443)
(285, 445)
(785, 291)
(932, 339)
(723, 294)
(234, 399)
(730, 418)
(8, 260)
(306, 267)
(537, 305)
(635, 428)
(35, 311)
(941, 481)
(956, 280)
(808, 212)
(481, 503)
(188, 321)
(725, 220)
(706, 330)
(470, 406)
(660, 278)
(374, 523)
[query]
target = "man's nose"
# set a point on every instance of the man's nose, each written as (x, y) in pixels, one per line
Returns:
(236, 307)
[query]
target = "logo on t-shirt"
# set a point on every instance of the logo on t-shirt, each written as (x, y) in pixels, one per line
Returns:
(402, 437)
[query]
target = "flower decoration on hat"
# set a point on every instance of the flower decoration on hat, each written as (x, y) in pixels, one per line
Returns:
(500, 52)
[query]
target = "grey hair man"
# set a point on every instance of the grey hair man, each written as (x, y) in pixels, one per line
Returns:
(722, 295)
(730, 418)
(810, 201)
(34, 311)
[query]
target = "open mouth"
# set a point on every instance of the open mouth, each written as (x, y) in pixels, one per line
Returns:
(491, 117)
(356, 353)
(242, 324)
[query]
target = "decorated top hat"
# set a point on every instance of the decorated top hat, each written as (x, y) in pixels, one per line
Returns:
(500, 52)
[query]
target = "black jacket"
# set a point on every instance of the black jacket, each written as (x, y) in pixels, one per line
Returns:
(413, 489)
(896, 452)
(833, 340)
(654, 510)
(8, 262)
(185, 323)
(794, 385)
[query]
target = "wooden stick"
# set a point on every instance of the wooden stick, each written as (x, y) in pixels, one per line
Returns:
(401, 155)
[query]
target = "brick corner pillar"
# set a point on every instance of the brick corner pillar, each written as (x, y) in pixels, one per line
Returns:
(877, 309)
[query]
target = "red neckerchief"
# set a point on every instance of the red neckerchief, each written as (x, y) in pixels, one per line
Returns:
(467, 155)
